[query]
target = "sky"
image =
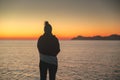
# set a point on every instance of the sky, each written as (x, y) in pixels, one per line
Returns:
(24, 19)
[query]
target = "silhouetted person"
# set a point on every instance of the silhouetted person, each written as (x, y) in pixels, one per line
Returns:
(48, 46)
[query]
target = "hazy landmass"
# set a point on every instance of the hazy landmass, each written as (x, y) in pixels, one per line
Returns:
(111, 37)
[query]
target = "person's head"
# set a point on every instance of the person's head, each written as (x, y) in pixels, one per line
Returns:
(47, 28)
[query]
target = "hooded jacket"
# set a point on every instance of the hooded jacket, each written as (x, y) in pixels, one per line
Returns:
(48, 44)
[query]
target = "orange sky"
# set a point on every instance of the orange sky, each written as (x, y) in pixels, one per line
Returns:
(69, 19)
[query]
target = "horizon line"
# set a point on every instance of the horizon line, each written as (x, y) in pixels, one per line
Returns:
(36, 38)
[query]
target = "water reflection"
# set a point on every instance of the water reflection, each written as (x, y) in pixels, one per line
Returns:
(78, 60)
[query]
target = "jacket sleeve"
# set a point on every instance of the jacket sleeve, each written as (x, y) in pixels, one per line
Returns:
(58, 46)
(39, 44)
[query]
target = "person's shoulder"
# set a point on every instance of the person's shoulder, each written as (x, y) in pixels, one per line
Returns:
(55, 37)
(41, 37)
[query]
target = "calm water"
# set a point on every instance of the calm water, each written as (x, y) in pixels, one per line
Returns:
(78, 60)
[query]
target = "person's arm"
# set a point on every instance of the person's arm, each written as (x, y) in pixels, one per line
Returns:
(57, 46)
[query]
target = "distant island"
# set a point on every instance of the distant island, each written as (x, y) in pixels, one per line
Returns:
(111, 37)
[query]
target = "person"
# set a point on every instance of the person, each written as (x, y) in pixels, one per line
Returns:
(48, 47)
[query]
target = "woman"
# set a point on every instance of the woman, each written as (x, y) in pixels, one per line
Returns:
(48, 47)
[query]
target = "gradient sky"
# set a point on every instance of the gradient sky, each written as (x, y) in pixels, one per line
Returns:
(69, 18)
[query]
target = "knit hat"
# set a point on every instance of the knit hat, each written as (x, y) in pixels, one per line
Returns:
(48, 27)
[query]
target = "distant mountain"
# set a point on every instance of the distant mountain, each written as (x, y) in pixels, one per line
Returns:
(111, 37)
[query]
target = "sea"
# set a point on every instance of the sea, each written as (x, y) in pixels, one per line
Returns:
(78, 60)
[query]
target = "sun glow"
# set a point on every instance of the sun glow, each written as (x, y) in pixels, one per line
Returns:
(67, 19)
(26, 29)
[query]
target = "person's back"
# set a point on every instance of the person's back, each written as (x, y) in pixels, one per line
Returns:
(48, 46)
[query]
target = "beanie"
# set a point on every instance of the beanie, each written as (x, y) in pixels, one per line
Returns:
(48, 27)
